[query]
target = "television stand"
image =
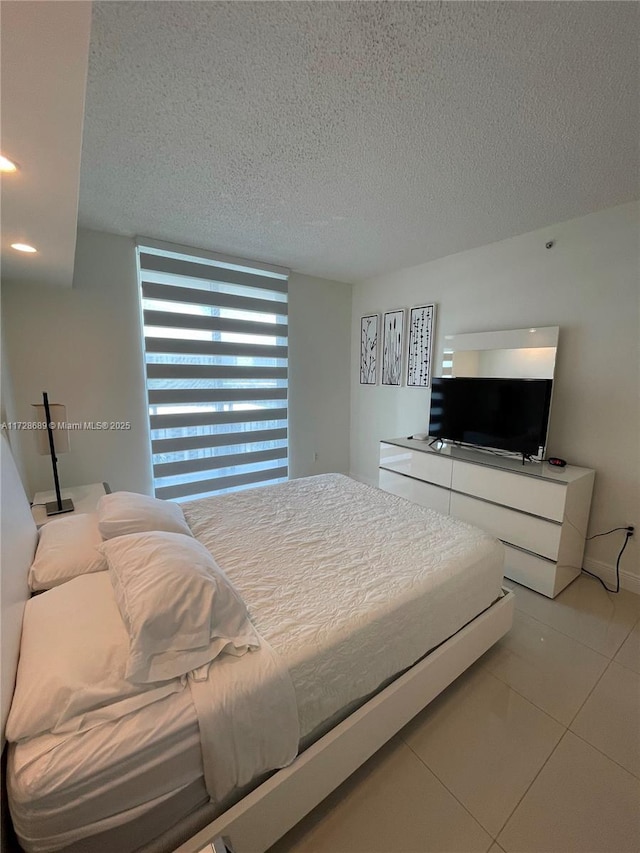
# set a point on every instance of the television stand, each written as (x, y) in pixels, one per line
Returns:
(539, 512)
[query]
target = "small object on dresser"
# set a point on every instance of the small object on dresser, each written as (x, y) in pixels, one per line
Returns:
(557, 462)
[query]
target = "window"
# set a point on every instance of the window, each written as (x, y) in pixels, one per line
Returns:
(215, 336)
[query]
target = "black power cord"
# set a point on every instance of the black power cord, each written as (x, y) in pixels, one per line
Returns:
(629, 530)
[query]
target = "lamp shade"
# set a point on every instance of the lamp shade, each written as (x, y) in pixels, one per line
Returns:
(58, 417)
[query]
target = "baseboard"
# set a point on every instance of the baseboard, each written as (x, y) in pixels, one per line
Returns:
(608, 574)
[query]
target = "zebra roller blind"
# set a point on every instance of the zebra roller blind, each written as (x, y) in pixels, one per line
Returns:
(215, 336)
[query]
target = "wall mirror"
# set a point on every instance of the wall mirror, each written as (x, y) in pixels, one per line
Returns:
(510, 354)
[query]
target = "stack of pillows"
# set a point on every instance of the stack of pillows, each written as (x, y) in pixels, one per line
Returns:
(134, 605)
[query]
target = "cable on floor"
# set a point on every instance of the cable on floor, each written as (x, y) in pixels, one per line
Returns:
(628, 534)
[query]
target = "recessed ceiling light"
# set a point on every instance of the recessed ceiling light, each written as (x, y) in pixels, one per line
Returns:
(23, 247)
(533, 330)
(7, 165)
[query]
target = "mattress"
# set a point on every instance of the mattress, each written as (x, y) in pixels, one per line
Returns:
(348, 584)
(60, 784)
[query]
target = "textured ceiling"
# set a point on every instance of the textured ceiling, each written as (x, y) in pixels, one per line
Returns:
(43, 71)
(349, 139)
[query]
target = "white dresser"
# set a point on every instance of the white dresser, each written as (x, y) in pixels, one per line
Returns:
(539, 512)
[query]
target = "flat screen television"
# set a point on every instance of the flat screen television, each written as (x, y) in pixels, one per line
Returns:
(506, 414)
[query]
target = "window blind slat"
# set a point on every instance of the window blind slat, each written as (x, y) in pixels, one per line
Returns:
(185, 347)
(175, 396)
(197, 487)
(221, 439)
(210, 463)
(216, 337)
(232, 372)
(172, 320)
(193, 296)
(210, 272)
(193, 419)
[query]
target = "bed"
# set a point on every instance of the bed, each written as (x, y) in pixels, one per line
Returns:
(332, 572)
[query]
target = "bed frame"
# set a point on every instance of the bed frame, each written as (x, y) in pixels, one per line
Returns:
(267, 813)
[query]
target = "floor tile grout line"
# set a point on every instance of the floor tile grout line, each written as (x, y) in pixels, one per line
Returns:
(583, 738)
(446, 787)
(625, 666)
(625, 638)
(564, 634)
(548, 758)
(431, 770)
(573, 719)
(530, 701)
(526, 612)
(631, 630)
(604, 754)
(566, 728)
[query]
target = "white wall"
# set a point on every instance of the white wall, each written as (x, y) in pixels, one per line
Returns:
(83, 345)
(588, 284)
(7, 403)
(319, 381)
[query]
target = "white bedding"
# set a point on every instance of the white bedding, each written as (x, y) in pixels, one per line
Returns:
(101, 766)
(64, 788)
(347, 584)
(73, 657)
(248, 719)
(190, 746)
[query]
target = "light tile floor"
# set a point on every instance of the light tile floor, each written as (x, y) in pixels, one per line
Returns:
(535, 749)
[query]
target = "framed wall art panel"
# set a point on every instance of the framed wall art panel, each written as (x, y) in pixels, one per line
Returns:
(369, 349)
(392, 347)
(421, 331)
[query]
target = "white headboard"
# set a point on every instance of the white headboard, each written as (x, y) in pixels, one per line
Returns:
(18, 541)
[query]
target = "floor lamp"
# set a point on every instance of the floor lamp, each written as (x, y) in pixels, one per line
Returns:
(54, 415)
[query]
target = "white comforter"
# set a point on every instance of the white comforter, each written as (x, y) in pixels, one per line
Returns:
(350, 585)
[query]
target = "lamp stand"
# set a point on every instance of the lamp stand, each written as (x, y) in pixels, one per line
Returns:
(58, 506)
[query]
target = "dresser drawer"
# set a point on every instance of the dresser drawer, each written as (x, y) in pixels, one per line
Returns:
(425, 494)
(536, 573)
(416, 463)
(529, 494)
(525, 531)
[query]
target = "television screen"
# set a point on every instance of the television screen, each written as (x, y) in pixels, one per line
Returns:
(507, 414)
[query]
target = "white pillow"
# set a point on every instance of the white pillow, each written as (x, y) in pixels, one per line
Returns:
(67, 547)
(179, 607)
(73, 657)
(122, 513)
